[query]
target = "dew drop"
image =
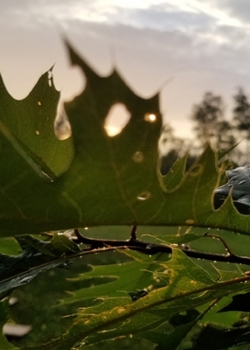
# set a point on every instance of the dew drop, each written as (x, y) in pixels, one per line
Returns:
(50, 77)
(26, 279)
(50, 74)
(16, 330)
(241, 182)
(144, 196)
(194, 171)
(189, 222)
(150, 288)
(150, 117)
(13, 301)
(138, 157)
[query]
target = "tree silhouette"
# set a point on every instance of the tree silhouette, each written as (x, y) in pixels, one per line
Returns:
(210, 123)
(241, 111)
(241, 119)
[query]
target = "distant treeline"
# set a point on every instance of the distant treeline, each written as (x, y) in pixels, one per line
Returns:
(210, 123)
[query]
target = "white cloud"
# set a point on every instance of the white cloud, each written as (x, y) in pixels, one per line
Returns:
(238, 10)
(211, 9)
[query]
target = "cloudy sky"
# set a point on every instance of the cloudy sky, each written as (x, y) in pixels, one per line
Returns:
(181, 47)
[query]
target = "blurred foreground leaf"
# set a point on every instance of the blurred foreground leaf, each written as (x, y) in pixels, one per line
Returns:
(91, 178)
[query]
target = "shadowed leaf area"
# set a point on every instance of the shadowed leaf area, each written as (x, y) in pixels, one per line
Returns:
(37, 256)
(213, 338)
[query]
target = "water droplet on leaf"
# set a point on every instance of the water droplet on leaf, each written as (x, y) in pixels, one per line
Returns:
(144, 196)
(190, 221)
(150, 117)
(138, 157)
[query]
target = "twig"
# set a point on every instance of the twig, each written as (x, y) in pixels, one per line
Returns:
(151, 248)
(228, 250)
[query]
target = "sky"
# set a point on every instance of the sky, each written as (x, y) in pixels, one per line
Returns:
(181, 48)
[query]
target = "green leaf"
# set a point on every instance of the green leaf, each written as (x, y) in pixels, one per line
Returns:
(173, 338)
(37, 256)
(91, 178)
(58, 246)
(27, 125)
(173, 286)
(175, 175)
(177, 239)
